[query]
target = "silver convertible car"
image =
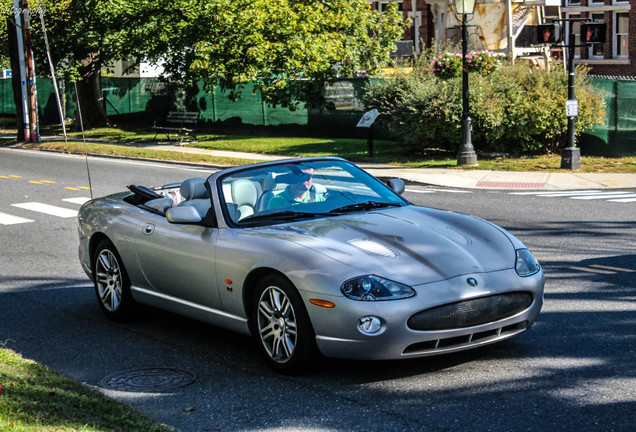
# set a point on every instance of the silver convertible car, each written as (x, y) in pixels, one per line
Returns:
(312, 257)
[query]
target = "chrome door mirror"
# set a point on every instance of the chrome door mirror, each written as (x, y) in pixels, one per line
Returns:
(397, 185)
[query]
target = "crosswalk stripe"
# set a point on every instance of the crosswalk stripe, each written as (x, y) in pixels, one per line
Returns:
(557, 193)
(606, 195)
(7, 219)
(623, 200)
(47, 209)
(78, 200)
(422, 191)
(612, 196)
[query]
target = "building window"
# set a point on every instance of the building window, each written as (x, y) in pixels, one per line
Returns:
(596, 2)
(596, 50)
(621, 35)
(573, 2)
(617, 2)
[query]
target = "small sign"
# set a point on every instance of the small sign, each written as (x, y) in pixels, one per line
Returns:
(571, 108)
(368, 118)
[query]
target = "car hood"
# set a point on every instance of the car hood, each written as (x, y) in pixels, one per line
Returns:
(411, 245)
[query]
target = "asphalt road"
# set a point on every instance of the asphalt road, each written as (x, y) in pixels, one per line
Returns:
(574, 370)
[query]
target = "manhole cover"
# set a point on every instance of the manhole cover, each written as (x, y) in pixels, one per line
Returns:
(148, 380)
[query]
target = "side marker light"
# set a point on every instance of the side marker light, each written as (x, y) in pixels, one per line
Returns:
(322, 303)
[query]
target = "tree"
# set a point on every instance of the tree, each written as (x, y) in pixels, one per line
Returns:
(271, 42)
(87, 36)
(286, 48)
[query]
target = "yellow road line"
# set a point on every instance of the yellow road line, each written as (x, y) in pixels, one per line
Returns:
(618, 269)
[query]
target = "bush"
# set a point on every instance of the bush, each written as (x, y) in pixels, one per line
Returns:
(516, 109)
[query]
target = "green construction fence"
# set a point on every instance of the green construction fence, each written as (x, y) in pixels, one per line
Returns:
(143, 100)
(617, 135)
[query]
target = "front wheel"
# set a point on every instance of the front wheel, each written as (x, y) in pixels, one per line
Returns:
(112, 285)
(281, 324)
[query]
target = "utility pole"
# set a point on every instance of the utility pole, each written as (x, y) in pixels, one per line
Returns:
(22, 67)
(31, 92)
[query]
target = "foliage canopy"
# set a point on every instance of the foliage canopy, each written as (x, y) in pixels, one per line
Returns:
(228, 42)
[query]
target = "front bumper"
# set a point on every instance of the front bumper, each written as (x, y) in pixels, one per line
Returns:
(337, 333)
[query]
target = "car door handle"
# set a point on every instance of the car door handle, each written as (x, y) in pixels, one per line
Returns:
(149, 229)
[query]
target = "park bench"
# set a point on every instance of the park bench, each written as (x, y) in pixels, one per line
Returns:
(178, 122)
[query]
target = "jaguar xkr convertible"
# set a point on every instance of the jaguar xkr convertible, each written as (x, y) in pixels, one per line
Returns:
(313, 257)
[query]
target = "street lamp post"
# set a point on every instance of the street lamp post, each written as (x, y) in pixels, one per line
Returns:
(467, 155)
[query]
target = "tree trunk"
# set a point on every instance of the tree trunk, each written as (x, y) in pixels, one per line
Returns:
(89, 93)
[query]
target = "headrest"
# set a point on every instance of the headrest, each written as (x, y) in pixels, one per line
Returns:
(244, 192)
(194, 188)
(269, 183)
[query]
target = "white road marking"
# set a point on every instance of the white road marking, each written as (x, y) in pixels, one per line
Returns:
(424, 191)
(47, 209)
(623, 200)
(611, 196)
(79, 200)
(7, 219)
(607, 195)
(557, 193)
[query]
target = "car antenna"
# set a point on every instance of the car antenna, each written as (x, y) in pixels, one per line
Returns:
(79, 112)
(59, 104)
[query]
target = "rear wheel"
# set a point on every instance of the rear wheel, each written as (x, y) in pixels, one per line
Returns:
(281, 325)
(112, 285)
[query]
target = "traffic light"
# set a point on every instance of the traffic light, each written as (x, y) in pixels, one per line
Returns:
(549, 33)
(593, 32)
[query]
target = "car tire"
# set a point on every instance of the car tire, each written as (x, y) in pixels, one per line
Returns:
(282, 327)
(112, 285)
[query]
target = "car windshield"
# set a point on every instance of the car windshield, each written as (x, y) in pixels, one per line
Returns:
(304, 190)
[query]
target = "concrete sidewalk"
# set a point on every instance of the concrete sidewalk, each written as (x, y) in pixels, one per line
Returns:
(457, 178)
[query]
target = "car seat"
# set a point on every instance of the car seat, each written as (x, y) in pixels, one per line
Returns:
(244, 196)
(196, 195)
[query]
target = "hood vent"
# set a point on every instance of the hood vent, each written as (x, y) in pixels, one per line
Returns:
(374, 247)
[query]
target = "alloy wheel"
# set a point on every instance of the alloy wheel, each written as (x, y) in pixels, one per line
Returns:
(109, 280)
(277, 324)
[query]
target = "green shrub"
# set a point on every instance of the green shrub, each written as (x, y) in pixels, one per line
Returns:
(515, 109)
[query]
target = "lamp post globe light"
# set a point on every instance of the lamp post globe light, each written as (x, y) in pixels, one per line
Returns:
(467, 155)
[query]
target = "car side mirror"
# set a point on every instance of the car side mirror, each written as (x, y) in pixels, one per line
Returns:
(397, 185)
(184, 214)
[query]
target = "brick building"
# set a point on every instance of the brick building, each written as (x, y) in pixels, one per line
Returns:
(506, 26)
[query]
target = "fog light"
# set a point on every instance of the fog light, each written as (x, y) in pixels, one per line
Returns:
(369, 324)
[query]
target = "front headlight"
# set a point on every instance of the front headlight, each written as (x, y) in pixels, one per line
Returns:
(526, 264)
(371, 287)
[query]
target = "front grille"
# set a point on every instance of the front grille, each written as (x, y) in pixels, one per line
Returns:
(438, 346)
(469, 313)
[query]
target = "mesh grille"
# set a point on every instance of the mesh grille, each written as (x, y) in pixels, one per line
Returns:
(471, 313)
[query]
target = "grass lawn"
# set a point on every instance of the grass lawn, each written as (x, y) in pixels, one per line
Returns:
(122, 142)
(33, 398)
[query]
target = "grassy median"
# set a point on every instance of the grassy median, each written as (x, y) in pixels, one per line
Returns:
(35, 398)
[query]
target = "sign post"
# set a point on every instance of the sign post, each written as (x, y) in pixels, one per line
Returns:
(367, 122)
